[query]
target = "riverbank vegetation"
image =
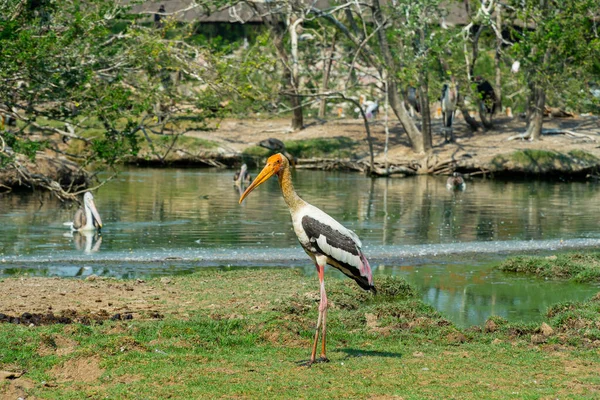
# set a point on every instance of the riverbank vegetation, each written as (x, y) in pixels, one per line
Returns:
(243, 332)
(580, 267)
(128, 78)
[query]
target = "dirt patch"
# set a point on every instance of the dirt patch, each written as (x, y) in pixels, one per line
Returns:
(42, 301)
(57, 344)
(79, 369)
(16, 388)
(470, 150)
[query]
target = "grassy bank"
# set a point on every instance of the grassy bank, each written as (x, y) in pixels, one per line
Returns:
(576, 266)
(241, 333)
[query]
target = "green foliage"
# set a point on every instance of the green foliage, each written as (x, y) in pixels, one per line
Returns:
(94, 75)
(560, 50)
(20, 145)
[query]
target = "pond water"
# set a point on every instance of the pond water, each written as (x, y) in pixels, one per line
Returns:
(166, 221)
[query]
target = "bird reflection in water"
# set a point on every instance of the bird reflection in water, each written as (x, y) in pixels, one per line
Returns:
(242, 179)
(86, 241)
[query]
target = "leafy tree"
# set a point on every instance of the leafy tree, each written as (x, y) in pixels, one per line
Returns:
(88, 75)
(556, 42)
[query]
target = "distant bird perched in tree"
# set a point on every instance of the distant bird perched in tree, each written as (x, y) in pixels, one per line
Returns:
(456, 182)
(324, 239)
(448, 100)
(277, 146)
(515, 67)
(242, 176)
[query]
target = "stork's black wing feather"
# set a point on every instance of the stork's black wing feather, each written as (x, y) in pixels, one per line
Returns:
(341, 249)
(314, 229)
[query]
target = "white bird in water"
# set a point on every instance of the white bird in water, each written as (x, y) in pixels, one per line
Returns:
(87, 217)
(242, 176)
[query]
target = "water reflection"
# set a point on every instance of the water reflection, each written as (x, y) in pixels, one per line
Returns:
(152, 217)
(87, 242)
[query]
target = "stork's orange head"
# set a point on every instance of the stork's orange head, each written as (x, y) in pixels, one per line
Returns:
(275, 164)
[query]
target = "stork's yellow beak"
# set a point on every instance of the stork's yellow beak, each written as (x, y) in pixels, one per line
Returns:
(268, 171)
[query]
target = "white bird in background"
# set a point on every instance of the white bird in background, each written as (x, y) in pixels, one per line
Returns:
(86, 218)
(449, 101)
(370, 108)
(515, 67)
(242, 176)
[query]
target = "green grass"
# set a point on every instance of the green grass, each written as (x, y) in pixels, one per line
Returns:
(338, 147)
(576, 266)
(240, 333)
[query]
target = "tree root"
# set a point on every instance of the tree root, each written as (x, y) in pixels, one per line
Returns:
(526, 136)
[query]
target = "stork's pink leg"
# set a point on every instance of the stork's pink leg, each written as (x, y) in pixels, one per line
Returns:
(322, 316)
(313, 355)
(323, 310)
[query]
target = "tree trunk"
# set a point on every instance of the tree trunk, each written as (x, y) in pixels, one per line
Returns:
(498, 58)
(296, 101)
(327, 61)
(536, 113)
(277, 33)
(418, 144)
(472, 122)
(474, 53)
(425, 113)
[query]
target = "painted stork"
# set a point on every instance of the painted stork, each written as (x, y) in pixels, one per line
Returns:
(449, 100)
(278, 146)
(370, 108)
(324, 239)
(87, 217)
(456, 182)
(242, 176)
